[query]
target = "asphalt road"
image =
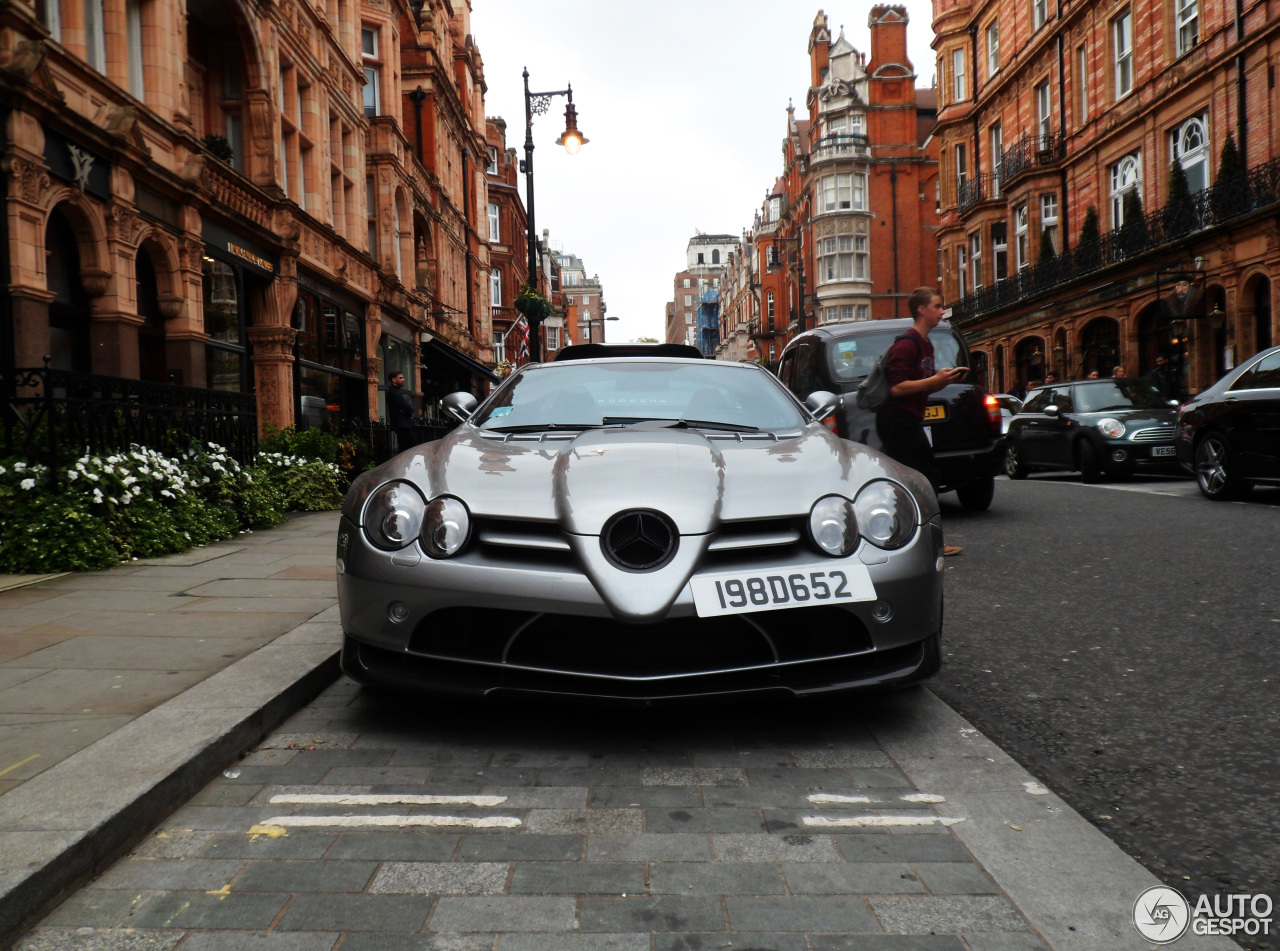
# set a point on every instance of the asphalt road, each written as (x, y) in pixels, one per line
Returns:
(1120, 642)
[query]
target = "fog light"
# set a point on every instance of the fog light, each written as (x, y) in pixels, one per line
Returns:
(1119, 456)
(398, 611)
(882, 611)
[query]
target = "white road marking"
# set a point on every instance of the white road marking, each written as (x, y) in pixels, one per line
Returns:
(1035, 789)
(368, 799)
(923, 797)
(851, 822)
(473, 822)
(820, 798)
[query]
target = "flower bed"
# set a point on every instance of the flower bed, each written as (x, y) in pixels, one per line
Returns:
(104, 510)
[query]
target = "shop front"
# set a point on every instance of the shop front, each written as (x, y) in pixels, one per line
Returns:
(396, 355)
(234, 270)
(329, 371)
(447, 370)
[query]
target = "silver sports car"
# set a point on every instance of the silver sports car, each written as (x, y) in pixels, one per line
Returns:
(640, 528)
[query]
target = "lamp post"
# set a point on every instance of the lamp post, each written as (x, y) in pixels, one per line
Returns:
(537, 103)
(799, 243)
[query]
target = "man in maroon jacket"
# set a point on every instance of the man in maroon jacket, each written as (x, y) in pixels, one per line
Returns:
(900, 423)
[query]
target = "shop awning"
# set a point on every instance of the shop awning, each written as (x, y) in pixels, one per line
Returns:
(439, 346)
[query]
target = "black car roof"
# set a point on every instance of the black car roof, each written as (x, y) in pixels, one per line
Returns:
(856, 327)
(594, 351)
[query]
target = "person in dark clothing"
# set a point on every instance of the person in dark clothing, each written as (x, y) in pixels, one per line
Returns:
(399, 413)
(909, 367)
(1164, 379)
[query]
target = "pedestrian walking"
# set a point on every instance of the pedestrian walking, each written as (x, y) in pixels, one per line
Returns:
(399, 413)
(1119, 372)
(1164, 379)
(912, 377)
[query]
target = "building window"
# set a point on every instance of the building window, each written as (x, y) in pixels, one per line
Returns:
(493, 161)
(1191, 148)
(371, 209)
(1044, 125)
(685, 283)
(862, 312)
(688, 317)
(1126, 175)
(837, 193)
(957, 75)
(50, 14)
(715, 255)
(773, 352)
(962, 269)
(688, 300)
(1049, 222)
(1082, 84)
(1039, 13)
(1188, 25)
(835, 259)
(133, 31)
(586, 334)
(769, 309)
(372, 71)
(975, 256)
(861, 257)
(500, 348)
(997, 159)
(553, 338)
(859, 192)
(495, 288)
(775, 209)
(1020, 235)
(700, 256)
(494, 234)
(95, 48)
(857, 123)
(962, 165)
(1000, 250)
(993, 47)
(1122, 45)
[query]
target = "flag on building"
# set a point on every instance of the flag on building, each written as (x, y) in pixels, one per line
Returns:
(520, 332)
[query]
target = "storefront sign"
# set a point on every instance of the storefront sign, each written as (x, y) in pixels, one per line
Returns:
(235, 248)
(247, 255)
(73, 162)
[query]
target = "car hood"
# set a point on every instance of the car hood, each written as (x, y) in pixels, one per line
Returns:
(1133, 418)
(698, 479)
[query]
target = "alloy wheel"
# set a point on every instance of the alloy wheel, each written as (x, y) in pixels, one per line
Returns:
(1213, 467)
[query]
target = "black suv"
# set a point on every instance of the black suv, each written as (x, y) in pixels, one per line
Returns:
(963, 422)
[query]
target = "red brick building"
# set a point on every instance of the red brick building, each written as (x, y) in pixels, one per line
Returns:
(1050, 112)
(507, 235)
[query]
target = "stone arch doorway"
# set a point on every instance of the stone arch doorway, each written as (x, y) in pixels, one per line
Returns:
(153, 365)
(1028, 360)
(1100, 346)
(69, 346)
(1253, 323)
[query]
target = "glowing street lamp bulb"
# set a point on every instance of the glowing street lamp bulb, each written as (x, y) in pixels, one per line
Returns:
(572, 144)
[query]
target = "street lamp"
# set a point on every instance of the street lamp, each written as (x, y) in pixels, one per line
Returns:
(799, 243)
(537, 103)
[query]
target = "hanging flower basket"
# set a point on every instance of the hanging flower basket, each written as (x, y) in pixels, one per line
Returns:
(532, 304)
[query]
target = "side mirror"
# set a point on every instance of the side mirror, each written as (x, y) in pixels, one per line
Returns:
(821, 404)
(1052, 411)
(460, 405)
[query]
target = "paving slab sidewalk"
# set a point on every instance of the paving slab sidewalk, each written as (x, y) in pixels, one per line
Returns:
(122, 691)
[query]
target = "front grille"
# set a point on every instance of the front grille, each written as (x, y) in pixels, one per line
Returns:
(1157, 434)
(604, 647)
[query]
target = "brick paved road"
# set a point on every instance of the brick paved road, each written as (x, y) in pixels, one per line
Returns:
(607, 831)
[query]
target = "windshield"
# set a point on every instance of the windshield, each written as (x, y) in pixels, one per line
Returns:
(852, 357)
(1118, 394)
(573, 395)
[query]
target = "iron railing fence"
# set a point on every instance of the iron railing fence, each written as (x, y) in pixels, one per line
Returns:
(978, 188)
(51, 415)
(1257, 189)
(384, 443)
(1030, 151)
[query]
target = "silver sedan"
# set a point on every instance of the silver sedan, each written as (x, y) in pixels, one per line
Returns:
(640, 529)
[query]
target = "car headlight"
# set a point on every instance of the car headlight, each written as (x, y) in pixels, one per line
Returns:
(393, 515)
(1111, 428)
(833, 525)
(886, 514)
(446, 527)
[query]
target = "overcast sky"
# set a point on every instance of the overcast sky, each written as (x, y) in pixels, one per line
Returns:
(684, 106)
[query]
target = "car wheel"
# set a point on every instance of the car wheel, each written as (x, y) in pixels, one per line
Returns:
(1216, 472)
(977, 496)
(1013, 466)
(1090, 468)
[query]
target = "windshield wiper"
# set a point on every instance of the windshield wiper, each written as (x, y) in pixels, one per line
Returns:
(539, 427)
(681, 423)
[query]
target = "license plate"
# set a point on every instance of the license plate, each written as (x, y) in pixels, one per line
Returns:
(737, 592)
(934, 413)
(1164, 451)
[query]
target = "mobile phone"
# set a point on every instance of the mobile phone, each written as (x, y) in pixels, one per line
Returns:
(963, 370)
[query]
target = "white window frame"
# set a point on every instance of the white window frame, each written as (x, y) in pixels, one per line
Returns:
(493, 161)
(688, 317)
(962, 165)
(1190, 144)
(133, 36)
(1039, 13)
(95, 41)
(1044, 112)
(494, 231)
(958, 87)
(996, 136)
(861, 258)
(553, 338)
(1082, 81)
(370, 57)
(50, 14)
(500, 347)
(861, 311)
(1000, 254)
(1126, 176)
(1049, 220)
(859, 191)
(495, 287)
(1020, 227)
(962, 269)
(1122, 49)
(993, 47)
(1187, 24)
(975, 256)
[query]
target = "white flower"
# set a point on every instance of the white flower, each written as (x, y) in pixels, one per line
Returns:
(3, 470)
(137, 490)
(112, 500)
(129, 480)
(19, 467)
(126, 499)
(72, 474)
(27, 484)
(206, 480)
(97, 495)
(80, 465)
(91, 476)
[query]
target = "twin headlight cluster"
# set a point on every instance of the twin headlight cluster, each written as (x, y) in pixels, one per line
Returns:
(882, 513)
(397, 513)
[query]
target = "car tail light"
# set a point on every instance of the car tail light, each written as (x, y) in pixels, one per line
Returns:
(830, 423)
(993, 412)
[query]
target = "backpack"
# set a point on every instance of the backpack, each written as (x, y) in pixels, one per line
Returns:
(873, 392)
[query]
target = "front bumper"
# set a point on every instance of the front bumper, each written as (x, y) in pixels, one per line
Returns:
(1138, 457)
(487, 626)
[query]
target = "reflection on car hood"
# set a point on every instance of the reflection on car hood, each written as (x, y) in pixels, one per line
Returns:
(697, 478)
(1134, 417)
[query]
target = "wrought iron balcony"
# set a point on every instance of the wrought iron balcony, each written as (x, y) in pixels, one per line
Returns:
(1259, 188)
(1031, 151)
(978, 189)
